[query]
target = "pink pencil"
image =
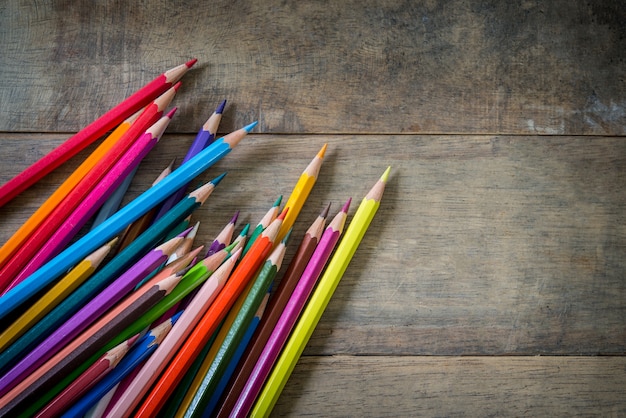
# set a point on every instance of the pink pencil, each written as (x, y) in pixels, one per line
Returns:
(175, 338)
(290, 314)
(84, 317)
(98, 195)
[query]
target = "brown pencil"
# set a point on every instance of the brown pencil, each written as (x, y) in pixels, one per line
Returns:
(272, 313)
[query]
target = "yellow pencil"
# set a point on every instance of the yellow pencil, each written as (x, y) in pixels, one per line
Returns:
(300, 193)
(56, 294)
(319, 299)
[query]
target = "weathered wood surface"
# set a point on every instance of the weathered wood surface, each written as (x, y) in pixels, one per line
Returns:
(502, 232)
(456, 387)
(455, 66)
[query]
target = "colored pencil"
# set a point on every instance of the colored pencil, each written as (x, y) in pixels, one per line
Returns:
(243, 273)
(319, 299)
(186, 245)
(301, 191)
(92, 132)
(267, 219)
(113, 202)
(78, 194)
(99, 409)
(223, 238)
(142, 350)
(274, 309)
(116, 223)
(88, 206)
(209, 386)
(55, 295)
(62, 369)
(106, 274)
(290, 314)
(135, 229)
(87, 380)
(236, 358)
(185, 325)
(205, 136)
(46, 208)
(85, 316)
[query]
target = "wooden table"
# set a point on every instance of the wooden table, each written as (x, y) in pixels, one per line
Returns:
(492, 279)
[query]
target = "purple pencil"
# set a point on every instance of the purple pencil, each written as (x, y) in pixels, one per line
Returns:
(88, 313)
(290, 314)
(205, 136)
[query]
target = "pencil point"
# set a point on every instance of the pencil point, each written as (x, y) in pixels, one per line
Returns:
(248, 128)
(217, 179)
(385, 175)
(283, 214)
(234, 218)
(185, 232)
(175, 317)
(245, 230)
(346, 205)
(284, 240)
(177, 86)
(321, 153)
(324, 213)
(277, 202)
(170, 114)
(220, 108)
(191, 62)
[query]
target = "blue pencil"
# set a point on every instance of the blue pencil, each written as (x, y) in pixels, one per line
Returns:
(118, 221)
(143, 349)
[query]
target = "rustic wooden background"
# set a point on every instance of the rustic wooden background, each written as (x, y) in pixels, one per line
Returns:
(492, 280)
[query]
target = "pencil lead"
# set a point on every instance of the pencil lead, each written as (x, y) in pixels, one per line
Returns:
(346, 206)
(185, 232)
(283, 214)
(177, 85)
(324, 212)
(248, 128)
(385, 175)
(217, 179)
(321, 152)
(245, 230)
(284, 240)
(220, 108)
(191, 62)
(277, 202)
(170, 114)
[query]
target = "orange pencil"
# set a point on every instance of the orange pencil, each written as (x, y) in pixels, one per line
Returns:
(92, 132)
(247, 268)
(33, 243)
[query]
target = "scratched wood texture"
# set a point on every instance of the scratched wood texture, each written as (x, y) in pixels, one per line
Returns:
(491, 281)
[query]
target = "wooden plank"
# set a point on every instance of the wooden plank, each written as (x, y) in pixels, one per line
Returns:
(324, 67)
(485, 245)
(455, 386)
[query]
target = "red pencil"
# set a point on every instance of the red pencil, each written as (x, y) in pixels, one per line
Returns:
(92, 132)
(33, 244)
(200, 335)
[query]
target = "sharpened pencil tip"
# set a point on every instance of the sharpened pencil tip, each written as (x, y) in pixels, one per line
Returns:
(177, 86)
(175, 317)
(284, 240)
(217, 179)
(185, 232)
(191, 62)
(220, 108)
(277, 202)
(346, 205)
(245, 230)
(234, 218)
(170, 114)
(325, 211)
(250, 127)
(385, 175)
(283, 214)
(321, 153)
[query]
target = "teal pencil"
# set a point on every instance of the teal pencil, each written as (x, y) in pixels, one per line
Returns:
(106, 274)
(108, 229)
(260, 287)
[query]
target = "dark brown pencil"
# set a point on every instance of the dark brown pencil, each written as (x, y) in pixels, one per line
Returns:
(272, 313)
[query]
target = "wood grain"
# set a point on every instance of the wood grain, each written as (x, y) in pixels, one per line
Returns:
(453, 66)
(455, 386)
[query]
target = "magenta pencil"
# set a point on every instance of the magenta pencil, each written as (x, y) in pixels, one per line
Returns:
(86, 316)
(98, 195)
(290, 314)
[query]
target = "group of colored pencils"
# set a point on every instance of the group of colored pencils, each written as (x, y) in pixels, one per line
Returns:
(132, 317)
